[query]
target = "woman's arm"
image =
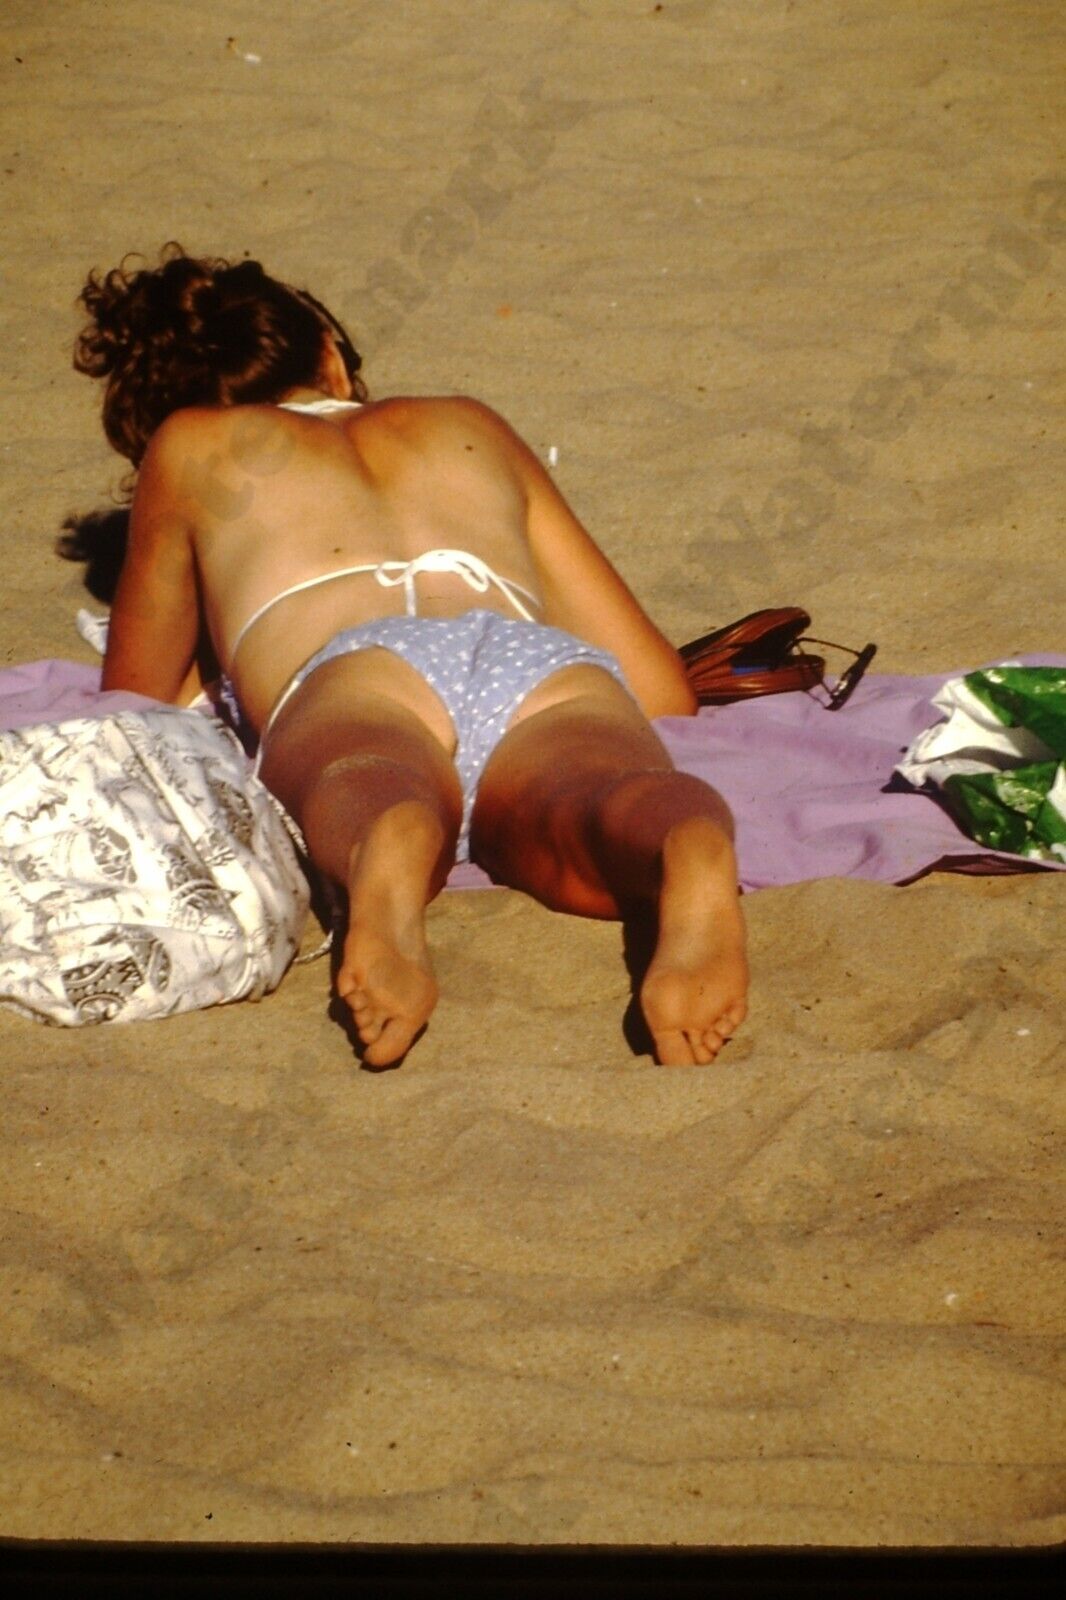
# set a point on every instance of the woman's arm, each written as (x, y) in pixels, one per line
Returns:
(585, 595)
(155, 618)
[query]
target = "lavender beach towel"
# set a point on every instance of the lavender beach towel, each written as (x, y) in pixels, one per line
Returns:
(812, 791)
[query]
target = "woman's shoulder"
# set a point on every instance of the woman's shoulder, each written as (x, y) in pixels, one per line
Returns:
(436, 410)
(190, 424)
(447, 423)
(235, 430)
(198, 445)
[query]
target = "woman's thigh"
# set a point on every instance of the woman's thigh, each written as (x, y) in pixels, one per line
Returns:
(573, 738)
(579, 719)
(370, 702)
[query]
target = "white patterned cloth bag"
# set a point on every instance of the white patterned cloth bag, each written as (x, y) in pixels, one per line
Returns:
(143, 870)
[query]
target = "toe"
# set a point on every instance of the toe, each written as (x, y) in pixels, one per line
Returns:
(704, 1047)
(672, 1049)
(391, 1042)
(370, 1028)
(734, 1016)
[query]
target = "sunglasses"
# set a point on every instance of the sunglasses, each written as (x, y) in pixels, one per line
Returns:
(848, 681)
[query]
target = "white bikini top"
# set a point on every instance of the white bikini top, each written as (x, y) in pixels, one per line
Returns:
(475, 573)
(320, 408)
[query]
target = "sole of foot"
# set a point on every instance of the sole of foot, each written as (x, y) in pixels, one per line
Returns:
(694, 996)
(385, 975)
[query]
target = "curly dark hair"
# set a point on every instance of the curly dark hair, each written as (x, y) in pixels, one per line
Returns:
(198, 331)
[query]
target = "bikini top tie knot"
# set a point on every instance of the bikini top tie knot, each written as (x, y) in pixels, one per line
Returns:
(475, 573)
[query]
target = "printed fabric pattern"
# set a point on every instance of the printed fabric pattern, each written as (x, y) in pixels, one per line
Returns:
(143, 870)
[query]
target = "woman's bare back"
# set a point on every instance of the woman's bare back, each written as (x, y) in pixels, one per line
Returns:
(279, 497)
(236, 504)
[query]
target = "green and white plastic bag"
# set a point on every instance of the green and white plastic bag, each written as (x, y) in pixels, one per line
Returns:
(999, 759)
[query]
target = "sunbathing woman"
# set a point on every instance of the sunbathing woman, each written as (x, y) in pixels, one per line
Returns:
(440, 662)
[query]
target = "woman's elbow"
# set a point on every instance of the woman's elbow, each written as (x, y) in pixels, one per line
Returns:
(681, 703)
(670, 696)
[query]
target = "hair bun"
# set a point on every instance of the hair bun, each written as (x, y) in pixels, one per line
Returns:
(205, 317)
(196, 331)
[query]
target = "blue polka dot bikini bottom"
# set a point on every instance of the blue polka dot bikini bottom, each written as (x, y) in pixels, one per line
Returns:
(482, 666)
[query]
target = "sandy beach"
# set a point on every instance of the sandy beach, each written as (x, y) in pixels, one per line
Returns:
(779, 290)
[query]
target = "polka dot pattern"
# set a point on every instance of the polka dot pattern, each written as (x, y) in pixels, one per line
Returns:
(481, 665)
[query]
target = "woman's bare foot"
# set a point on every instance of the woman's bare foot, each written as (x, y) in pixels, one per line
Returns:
(385, 974)
(694, 994)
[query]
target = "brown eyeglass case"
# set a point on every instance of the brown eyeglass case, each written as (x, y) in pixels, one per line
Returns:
(759, 654)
